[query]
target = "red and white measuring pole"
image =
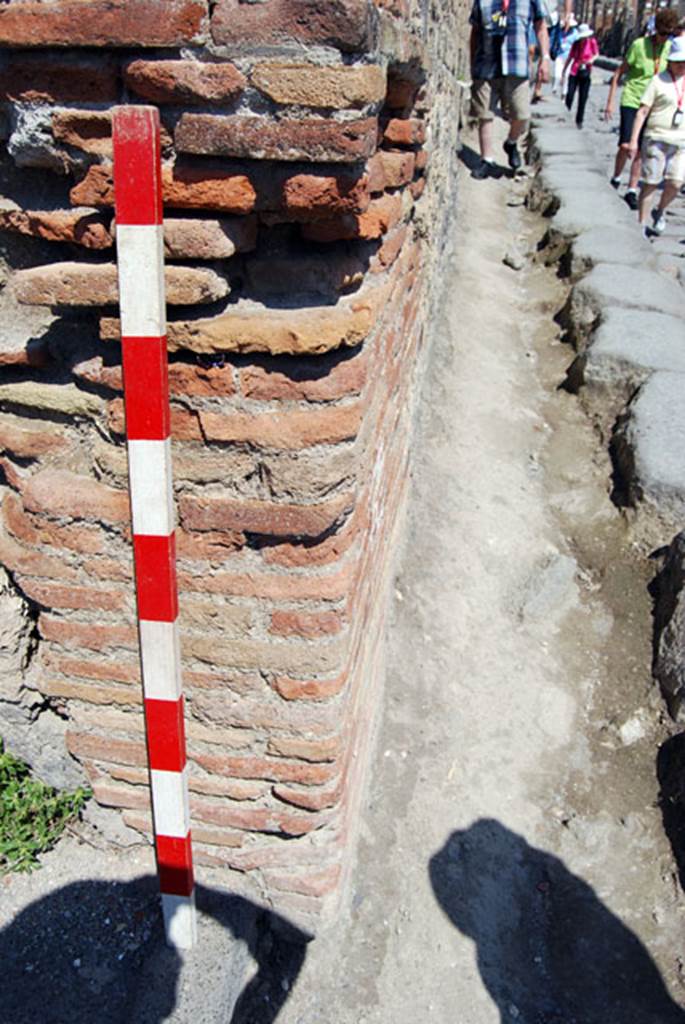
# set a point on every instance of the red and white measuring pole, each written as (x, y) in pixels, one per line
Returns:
(140, 257)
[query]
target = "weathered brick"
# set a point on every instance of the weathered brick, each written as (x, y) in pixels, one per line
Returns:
(109, 569)
(383, 213)
(389, 250)
(96, 284)
(314, 799)
(312, 689)
(208, 239)
(111, 671)
(226, 619)
(266, 768)
(331, 549)
(346, 24)
(306, 624)
(252, 820)
(184, 81)
(407, 131)
(308, 196)
(90, 635)
(234, 739)
(324, 86)
(58, 492)
(417, 188)
(86, 539)
(106, 748)
(81, 226)
(325, 379)
(313, 883)
(263, 517)
(286, 430)
(243, 790)
(91, 693)
(281, 657)
(29, 442)
(31, 78)
(398, 168)
(20, 351)
(121, 796)
(259, 138)
(305, 750)
(102, 22)
(185, 424)
(212, 546)
(276, 586)
(401, 91)
(192, 188)
(88, 130)
(53, 595)
(32, 563)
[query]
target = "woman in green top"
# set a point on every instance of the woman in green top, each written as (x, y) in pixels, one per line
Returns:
(646, 57)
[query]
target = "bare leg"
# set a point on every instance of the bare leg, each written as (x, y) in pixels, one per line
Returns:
(516, 129)
(621, 161)
(646, 193)
(635, 171)
(671, 190)
(485, 139)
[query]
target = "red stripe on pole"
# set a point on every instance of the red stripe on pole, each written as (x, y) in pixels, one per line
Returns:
(155, 559)
(137, 166)
(146, 388)
(165, 735)
(175, 865)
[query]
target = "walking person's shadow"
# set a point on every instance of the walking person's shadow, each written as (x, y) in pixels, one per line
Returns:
(549, 951)
(95, 951)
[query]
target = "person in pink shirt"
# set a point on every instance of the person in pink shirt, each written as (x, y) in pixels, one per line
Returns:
(582, 56)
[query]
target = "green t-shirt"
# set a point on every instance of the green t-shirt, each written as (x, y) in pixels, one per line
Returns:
(645, 59)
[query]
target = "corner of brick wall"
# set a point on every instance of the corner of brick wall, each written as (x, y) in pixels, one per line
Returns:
(309, 183)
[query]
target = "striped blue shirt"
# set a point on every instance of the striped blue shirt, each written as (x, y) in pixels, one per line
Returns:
(503, 50)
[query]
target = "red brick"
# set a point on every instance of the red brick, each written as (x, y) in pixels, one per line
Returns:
(113, 670)
(80, 226)
(307, 624)
(330, 86)
(315, 751)
(312, 196)
(345, 24)
(184, 81)
(32, 563)
(243, 790)
(254, 819)
(89, 130)
(262, 517)
(274, 586)
(389, 250)
(284, 430)
(20, 352)
(322, 553)
(401, 92)
(211, 547)
(421, 160)
(382, 214)
(208, 239)
(398, 168)
(58, 492)
(259, 138)
(404, 132)
(87, 634)
(86, 539)
(315, 799)
(121, 796)
(27, 443)
(109, 569)
(314, 883)
(312, 689)
(312, 381)
(417, 188)
(90, 693)
(265, 768)
(184, 187)
(106, 748)
(52, 595)
(30, 78)
(185, 425)
(95, 372)
(102, 22)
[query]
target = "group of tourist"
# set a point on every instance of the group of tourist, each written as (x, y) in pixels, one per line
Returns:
(506, 34)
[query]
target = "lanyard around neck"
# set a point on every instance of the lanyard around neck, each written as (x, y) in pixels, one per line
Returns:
(679, 91)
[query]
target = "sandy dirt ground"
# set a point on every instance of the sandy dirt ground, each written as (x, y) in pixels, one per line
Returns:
(513, 864)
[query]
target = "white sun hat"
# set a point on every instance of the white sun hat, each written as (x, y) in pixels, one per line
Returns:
(584, 32)
(677, 51)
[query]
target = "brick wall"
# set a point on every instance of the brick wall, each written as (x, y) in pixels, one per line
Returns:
(309, 181)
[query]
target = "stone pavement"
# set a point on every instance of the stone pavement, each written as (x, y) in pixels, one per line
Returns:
(624, 316)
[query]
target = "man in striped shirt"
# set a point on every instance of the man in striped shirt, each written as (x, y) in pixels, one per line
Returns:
(500, 70)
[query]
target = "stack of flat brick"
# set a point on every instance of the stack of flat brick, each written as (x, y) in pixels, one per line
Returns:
(302, 237)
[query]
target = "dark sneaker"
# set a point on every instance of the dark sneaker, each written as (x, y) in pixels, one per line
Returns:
(513, 155)
(615, 182)
(631, 198)
(658, 222)
(485, 169)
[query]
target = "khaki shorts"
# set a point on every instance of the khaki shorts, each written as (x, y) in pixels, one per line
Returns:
(661, 161)
(512, 92)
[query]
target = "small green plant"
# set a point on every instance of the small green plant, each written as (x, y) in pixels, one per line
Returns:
(32, 815)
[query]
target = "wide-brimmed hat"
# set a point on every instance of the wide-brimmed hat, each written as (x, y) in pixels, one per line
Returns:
(584, 31)
(677, 51)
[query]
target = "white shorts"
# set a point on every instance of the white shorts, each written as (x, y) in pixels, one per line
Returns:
(662, 161)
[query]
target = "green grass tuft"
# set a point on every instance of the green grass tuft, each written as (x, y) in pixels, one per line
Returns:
(32, 815)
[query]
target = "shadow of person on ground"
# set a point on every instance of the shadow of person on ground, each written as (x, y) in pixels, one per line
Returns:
(471, 160)
(549, 952)
(95, 951)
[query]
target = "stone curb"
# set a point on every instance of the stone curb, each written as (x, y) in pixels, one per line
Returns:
(625, 320)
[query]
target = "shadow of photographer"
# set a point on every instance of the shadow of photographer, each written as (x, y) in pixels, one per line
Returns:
(95, 950)
(548, 950)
